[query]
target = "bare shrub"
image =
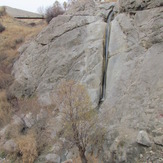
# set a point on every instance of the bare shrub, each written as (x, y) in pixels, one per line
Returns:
(53, 11)
(27, 148)
(78, 118)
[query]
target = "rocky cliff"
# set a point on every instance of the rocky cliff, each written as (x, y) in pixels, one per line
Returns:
(135, 77)
(72, 47)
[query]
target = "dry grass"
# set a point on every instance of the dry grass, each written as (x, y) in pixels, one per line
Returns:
(28, 148)
(5, 109)
(16, 33)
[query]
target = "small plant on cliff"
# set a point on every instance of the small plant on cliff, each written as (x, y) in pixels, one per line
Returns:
(79, 119)
(53, 11)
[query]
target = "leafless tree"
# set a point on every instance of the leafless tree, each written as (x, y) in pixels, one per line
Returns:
(79, 119)
(53, 11)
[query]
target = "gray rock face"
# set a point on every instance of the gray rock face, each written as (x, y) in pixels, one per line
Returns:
(143, 139)
(10, 146)
(134, 97)
(159, 140)
(29, 120)
(135, 76)
(134, 5)
(53, 158)
(70, 48)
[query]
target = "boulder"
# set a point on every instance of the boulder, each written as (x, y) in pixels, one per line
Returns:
(143, 139)
(43, 114)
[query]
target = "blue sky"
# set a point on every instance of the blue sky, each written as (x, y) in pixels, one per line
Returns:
(29, 5)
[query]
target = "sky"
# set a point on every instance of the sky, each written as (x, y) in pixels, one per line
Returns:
(28, 5)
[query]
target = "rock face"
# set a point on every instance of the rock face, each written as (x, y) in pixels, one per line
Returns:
(136, 5)
(159, 140)
(53, 158)
(135, 78)
(71, 48)
(143, 139)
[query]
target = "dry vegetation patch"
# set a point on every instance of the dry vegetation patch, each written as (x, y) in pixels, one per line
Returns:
(5, 109)
(28, 148)
(16, 32)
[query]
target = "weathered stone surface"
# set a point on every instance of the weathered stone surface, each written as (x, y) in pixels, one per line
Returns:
(158, 140)
(17, 121)
(53, 158)
(134, 5)
(10, 146)
(135, 76)
(134, 91)
(68, 161)
(143, 139)
(29, 120)
(71, 47)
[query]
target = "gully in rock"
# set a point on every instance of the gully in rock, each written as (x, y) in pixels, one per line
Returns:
(105, 62)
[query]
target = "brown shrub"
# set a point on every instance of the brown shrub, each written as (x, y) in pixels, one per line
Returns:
(27, 148)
